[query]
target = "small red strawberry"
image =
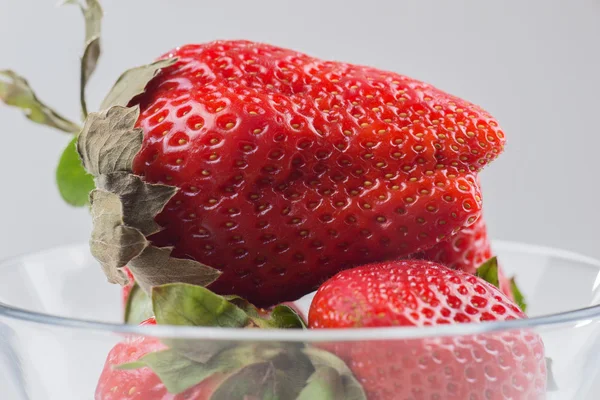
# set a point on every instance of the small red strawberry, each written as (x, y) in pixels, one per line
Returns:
(291, 168)
(143, 384)
(421, 293)
(144, 368)
(466, 251)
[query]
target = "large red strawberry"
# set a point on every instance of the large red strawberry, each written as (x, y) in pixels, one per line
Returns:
(291, 168)
(417, 294)
(466, 251)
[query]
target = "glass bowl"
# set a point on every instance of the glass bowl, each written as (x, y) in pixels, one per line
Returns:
(59, 319)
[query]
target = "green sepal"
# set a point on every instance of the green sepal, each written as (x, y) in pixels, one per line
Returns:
(324, 384)
(73, 181)
(488, 271)
(191, 305)
(177, 373)
(138, 307)
(281, 316)
(518, 295)
(281, 375)
(278, 368)
(332, 378)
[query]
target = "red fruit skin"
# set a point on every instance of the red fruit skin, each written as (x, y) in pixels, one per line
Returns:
(466, 251)
(143, 384)
(421, 293)
(292, 168)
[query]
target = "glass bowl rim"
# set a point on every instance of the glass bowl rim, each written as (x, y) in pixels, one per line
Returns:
(581, 316)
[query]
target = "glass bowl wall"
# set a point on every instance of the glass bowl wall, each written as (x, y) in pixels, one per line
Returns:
(59, 319)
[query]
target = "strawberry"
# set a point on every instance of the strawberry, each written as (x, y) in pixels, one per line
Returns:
(145, 368)
(421, 293)
(143, 384)
(291, 168)
(466, 251)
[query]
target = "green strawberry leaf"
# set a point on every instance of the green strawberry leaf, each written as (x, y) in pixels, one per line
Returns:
(324, 384)
(191, 305)
(249, 308)
(285, 317)
(133, 82)
(320, 359)
(93, 13)
(488, 271)
(518, 295)
(281, 316)
(15, 91)
(254, 381)
(246, 362)
(74, 183)
(282, 374)
(139, 306)
(177, 373)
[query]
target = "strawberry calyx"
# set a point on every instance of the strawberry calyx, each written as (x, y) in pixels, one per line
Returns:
(517, 294)
(488, 271)
(332, 378)
(279, 370)
(191, 305)
(138, 306)
(107, 145)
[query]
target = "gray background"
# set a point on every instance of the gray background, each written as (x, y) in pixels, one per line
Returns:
(533, 64)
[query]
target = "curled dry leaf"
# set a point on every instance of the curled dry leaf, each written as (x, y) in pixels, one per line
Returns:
(93, 13)
(141, 201)
(155, 267)
(89, 60)
(133, 82)
(15, 91)
(112, 243)
(109, 141)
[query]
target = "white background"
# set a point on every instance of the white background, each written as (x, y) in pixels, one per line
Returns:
(535, 65)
